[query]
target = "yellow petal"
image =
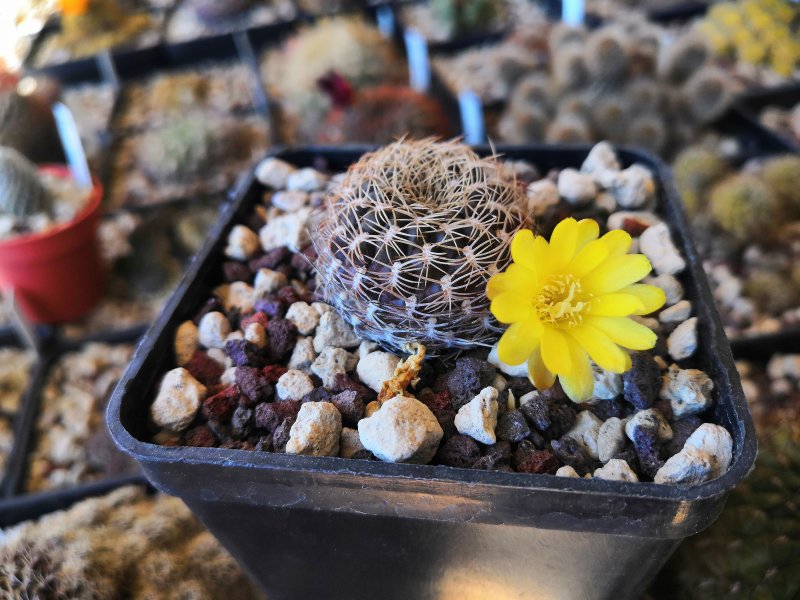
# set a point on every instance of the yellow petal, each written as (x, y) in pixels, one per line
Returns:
(615, 304)
(625, 332)
(588, 258)
(523, 250)
(616, 273)
(537, 372)
(518, 341)
(516, 279)
(579, 384)
(563, 241)
(511, 307)
(588, 230)
(651, 296)
(601, 349)
(555, 350)
(618, 242)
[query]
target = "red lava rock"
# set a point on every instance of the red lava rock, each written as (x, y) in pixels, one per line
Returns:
(271, 305)
(273, 372)
(220, 406)
(459, 451)
(254, 384)
(288, 295)
(527, 459)
(634, 226)
(351, 405)
(203, 368)
(319, 394)
(200, 437)
(271, 259)
(244, 354)
(235, 271)
(256, 317)
(282, 337)
(342, 382)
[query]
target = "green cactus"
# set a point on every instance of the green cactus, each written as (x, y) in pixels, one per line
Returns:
(772, 291)
(606, 56)
(22, 192)
(745, 207)
(648, 132)
(180, 150)
(568, 129)
(687, 54)
(782, 175)
(462, 17)
(695, 170)
(27, 124)
(708, 93)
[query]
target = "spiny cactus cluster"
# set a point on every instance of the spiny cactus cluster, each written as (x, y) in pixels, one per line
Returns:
(696, 169)
(407, 241)
(348, 46)
(757, 32)
(621, 82)
(744, 206)
(383, 114)
(22, 193)
(124, 545)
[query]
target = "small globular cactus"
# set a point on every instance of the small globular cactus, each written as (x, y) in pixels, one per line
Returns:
(684, 56)
(27, 124)
(568, 129)
(696, 169)
(606, 56)
(708, 93)
(774, 291)
(408, 240)
(648, 132)
(22, 192)
(782, 175)
(745, 207)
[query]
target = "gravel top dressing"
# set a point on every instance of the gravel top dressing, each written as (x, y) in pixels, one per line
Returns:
(358, 315)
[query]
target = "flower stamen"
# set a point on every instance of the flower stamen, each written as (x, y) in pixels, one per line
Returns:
(559, 301)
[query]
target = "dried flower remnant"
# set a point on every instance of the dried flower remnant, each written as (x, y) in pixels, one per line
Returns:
(569, 301)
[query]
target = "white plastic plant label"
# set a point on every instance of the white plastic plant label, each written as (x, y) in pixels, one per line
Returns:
(572, 12)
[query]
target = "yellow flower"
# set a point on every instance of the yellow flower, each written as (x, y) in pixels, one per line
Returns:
(569, 301)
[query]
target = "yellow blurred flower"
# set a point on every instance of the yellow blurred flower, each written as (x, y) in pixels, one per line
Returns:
(569, 301)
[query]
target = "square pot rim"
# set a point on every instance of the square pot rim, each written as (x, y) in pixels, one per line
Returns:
(744, 454)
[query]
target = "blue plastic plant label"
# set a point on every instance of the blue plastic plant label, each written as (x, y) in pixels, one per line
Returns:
(419, 65)
(472, 118)
(73, 148)
(384, 15)
(572, 12)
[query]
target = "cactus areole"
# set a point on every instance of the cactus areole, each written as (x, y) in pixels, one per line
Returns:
(407, 241)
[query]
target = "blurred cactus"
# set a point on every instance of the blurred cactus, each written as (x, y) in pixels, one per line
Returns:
(606, 56)
(568, 129)
(463, 17)
(708, 93)
(22, 192)
(782, 175)
(745, 207)
(100, 25)
(647, 132)
(762, 32)
(685, 56)
(384, 114)
(696, 169)
(772, 290)
(27, 124)
(212, 11)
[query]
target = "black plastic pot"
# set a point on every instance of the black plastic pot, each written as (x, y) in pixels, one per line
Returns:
(753, 102)
(333, 528)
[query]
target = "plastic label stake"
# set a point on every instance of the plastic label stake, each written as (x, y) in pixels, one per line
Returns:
(384, 15)
(572, 12)
(472, 118)
(71, 141)
(23, 327)
(419, 65)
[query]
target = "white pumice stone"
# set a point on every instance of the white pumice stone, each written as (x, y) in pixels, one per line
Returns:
(214, 327)
(657, 245)
(242, 243)
(306, 180)
(273, 172)
(575, 187)
(688, 391)
(330, 363)
(511, 371)
(316, 431)
(187, 340)
(677, 313)
(178, 400)
(376, 367)
(268, 281)
(290, 201)
(304, 317)
(616, 470)
(682, 342)
(672, 288)
(403, 429)
(478, 418)
(286, 230)
(293, 385)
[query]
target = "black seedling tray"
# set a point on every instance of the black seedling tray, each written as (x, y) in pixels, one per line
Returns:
(15, 504)
(786, 96)
(366, 529)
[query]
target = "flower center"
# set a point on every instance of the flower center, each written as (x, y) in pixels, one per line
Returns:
(559, 301)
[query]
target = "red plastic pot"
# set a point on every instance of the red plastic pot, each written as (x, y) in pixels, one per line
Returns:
(56, 275)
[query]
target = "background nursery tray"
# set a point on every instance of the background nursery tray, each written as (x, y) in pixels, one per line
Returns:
(15, 504)
(754, 102)
(462, 522)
